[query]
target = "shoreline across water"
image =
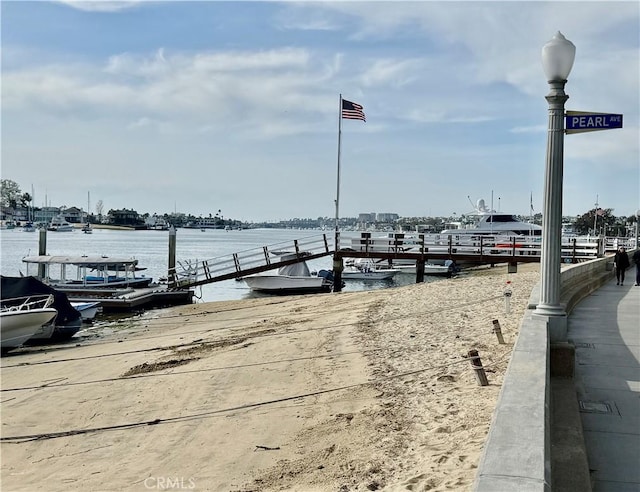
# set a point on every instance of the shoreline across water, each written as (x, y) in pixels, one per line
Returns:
(352, 391)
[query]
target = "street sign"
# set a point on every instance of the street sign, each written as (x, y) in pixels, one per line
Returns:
(583, 121)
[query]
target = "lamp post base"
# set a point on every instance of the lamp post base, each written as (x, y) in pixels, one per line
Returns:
(556, 320)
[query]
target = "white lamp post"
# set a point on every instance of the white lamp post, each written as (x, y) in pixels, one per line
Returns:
(557, 60)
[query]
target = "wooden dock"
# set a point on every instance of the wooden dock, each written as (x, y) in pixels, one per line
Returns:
(421, 248)
(124, 300)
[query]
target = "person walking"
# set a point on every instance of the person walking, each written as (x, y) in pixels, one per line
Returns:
(636, 260)
(621, 263)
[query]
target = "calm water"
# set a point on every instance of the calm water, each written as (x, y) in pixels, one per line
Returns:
(151, 248)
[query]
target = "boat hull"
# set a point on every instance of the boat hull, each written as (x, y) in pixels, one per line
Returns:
(88, 310)
(284, 284)
(97, 284)
(55, 332)
(17, 327)
(356, 274)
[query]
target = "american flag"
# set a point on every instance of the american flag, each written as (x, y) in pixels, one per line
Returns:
(352, 111)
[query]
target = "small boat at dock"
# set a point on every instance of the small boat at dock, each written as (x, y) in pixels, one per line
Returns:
(91, 272)
(295, 278)
(110, 281)
(88, 310)
(22, 317)
(68, 320)
(367, 270)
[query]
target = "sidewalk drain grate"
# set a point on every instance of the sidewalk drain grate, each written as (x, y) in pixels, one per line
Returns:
(595, 407)
(585, 345)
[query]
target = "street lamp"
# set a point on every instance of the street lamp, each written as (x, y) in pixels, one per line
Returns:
(557, 61)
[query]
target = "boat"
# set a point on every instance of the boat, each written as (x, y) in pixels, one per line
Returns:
(484, 221)
(155, 223)
(367, 270)
(295, 278)
(22, 317)
(88, 310)
(59, 224)
(91, 272)
(29, 227)
(68, 320)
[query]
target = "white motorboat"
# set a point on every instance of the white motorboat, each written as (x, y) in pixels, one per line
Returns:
(448, 268)
(367, 270)
(483, 221)
(68, 320)
(23, 317)
(59, 224)
(295, 278)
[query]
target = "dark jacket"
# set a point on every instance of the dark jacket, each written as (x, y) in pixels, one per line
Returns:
(636, 257)
(621, 260)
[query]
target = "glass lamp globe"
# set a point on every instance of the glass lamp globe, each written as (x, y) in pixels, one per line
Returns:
(557, 57)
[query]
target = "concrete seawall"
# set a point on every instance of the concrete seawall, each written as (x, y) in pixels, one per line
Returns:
(518, 450)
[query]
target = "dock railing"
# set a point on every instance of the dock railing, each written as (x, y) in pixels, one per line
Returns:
(195, 272)
(484, 248)
(574, 249)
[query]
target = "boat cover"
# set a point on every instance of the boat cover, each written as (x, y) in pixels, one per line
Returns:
(295, 270)
(29, 286)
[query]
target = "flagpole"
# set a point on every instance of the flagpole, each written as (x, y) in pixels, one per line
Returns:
(338, 174)
(595, 218)
(531, 213)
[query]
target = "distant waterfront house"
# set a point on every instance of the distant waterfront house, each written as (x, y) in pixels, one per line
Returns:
(73, 215)
(45, 214)
(124, 217)
(7, 214)
(207, 223)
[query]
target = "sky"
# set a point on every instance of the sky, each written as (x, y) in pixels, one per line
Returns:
(202, 106)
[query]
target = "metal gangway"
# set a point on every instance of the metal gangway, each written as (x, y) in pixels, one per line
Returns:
(191, 273)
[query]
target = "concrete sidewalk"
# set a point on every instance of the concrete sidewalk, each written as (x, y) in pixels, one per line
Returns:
(605, 329)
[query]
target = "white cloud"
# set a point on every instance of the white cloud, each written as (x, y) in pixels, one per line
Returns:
(100, 5)
(445, 85)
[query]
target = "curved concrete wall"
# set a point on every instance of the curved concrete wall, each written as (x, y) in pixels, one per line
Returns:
(517, 452)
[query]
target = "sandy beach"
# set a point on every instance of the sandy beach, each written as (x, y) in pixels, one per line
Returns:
(334, 392)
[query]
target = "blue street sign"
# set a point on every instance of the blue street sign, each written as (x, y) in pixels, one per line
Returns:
(582, 121)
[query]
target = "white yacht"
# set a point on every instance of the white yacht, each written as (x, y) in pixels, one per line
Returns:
(59, 224)
(485, 221)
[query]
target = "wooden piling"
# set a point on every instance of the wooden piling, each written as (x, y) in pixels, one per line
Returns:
(498, 331)
(337, 273)
(419, 271)
(42, 250)
(478, 370)
(171, 277)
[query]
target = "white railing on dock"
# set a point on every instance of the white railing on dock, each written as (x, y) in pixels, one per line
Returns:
(194, 272)
(573, 248)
